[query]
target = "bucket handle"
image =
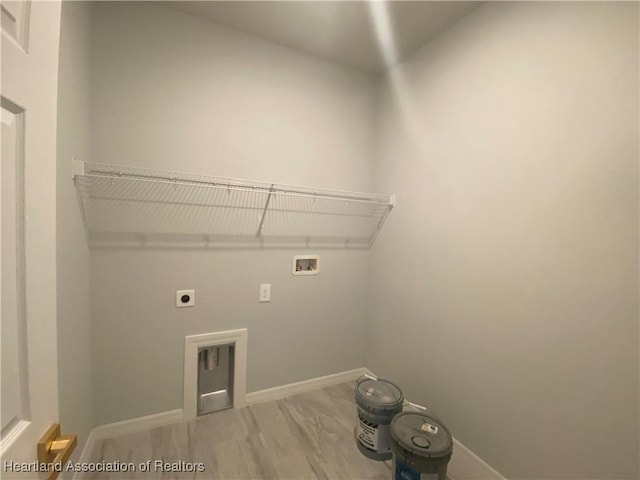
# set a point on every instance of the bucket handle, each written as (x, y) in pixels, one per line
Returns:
(414, 405)
(423, 408)
(406, 402)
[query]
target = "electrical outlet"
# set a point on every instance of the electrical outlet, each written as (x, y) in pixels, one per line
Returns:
(185, 298)
(265, 292)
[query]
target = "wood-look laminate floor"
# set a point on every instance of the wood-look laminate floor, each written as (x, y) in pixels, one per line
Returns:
(304, 436)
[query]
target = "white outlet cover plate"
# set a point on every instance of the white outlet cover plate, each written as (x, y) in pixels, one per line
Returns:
(192, 298)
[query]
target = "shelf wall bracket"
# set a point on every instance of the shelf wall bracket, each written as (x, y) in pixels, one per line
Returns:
(264, 211)
(77, 168)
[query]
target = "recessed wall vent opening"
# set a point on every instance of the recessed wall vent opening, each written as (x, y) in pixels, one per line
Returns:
(215, 378)
(215, 372)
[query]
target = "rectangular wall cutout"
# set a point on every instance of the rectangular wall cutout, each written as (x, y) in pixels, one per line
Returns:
(306, 265)
(193, 345)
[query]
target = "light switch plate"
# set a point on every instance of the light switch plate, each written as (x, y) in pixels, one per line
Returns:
(265, 292)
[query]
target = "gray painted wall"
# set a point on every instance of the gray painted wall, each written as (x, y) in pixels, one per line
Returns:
(503, 291)
(505, 285)
(74, 326)
(173, 92)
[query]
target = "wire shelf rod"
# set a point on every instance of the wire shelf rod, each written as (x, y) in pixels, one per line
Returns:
(347, 197)
(232, 206)
(238, 185)
(123, 205)
(172, 202)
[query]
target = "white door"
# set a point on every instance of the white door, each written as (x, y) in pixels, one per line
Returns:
(30, 39)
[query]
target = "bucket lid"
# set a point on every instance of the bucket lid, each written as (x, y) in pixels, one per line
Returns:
(379, 393)
(421, 435)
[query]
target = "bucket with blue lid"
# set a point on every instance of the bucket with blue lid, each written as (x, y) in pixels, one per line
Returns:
(422, 447)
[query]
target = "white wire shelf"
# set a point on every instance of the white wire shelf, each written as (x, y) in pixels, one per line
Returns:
(137, 207)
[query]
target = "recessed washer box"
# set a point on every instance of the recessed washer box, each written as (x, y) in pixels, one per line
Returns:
(306, 265)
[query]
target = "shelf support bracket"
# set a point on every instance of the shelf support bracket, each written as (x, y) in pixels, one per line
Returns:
(77, 168)
(264, 211)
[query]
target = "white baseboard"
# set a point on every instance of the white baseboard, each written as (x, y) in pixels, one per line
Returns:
(136, 424)
(85, 456)
(488, 470)
(283, 391)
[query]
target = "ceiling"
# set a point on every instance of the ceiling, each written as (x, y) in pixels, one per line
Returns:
(349, 33)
